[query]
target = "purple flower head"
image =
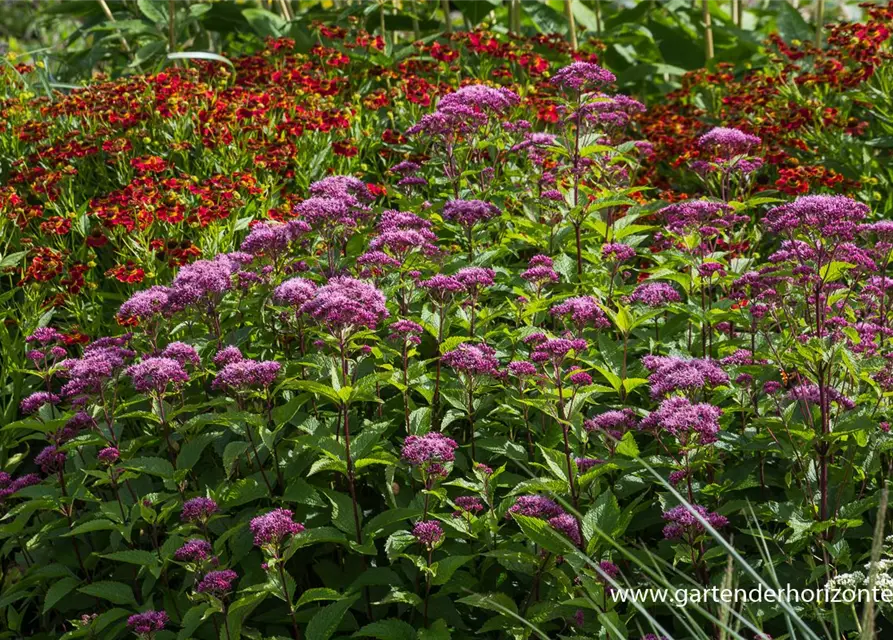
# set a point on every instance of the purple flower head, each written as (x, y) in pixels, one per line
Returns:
(247, 374)
(198, 510)
(567, 524)
(535, 507)
(99, 363)
(586, 464)
(271, 238)
(683, 523)
(468, 504)
(347, 303)
(824, 217)
(618, 252)
(227, 355)
(195, 550)
(740, 357)
(145, 304)
(406, 331)
(690, 423)
(475, 278)
(401, 242)
(655, 294)
(203, 280)
(669, 374)
(479, 97)
(393, 220)
(582, 77)
(182, 353)
(812, 394)
(771, 387)
(469, 212)
(725, 142)
(700, 216)
(147, 623)
(294, 292)
(442, 288)
(155, 374)
(412, 181)
(522, 369)
(50, 460)
(273, 527)
(427, 449)
(8, 486)
(109, 455)
(458, 119)
(708, 269)
(44, 336)
(609, 111)
(615, 422)
(539, 271)
(376, 263)
(582, 311)
(580, 379)
(329, 214)
(609, 569)
(556, 350)
(406, 167)
(36, 400)
(217, 583)
(472, 359)
(343, 187)
(428, 533)
(480, 466)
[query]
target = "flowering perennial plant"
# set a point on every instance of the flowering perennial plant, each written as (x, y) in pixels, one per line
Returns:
(334, 347)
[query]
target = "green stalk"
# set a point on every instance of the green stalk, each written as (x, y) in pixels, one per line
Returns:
(819, 21)
(445, 7)
(571, 26)
(708, 30)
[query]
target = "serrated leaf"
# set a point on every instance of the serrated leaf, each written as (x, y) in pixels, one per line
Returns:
(114, 592)
(152, 466)
(58, 590)
(444, 569)
(390, 629)
(133, 556)
(542, 534)
(324, 624)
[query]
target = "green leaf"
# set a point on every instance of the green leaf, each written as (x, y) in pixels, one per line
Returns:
(499, 602)
(390, 629)
(316, 595)
(325, 623)
(444, 569)
(133, 556)
(154, 10)
(542, 534)
(627, 446)
(342, 511)
(151, 466)
(92, 525)
(232, 453)
(192, 451)
(58, 590)
(265, 23)
(436, 631)
(791, 25)
(192, 621)
(114, 592)
(602, 516)
(199, 55)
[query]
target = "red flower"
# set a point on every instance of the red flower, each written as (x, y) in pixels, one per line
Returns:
(128, 273)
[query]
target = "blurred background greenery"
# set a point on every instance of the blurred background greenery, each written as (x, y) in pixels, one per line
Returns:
(648, 43)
